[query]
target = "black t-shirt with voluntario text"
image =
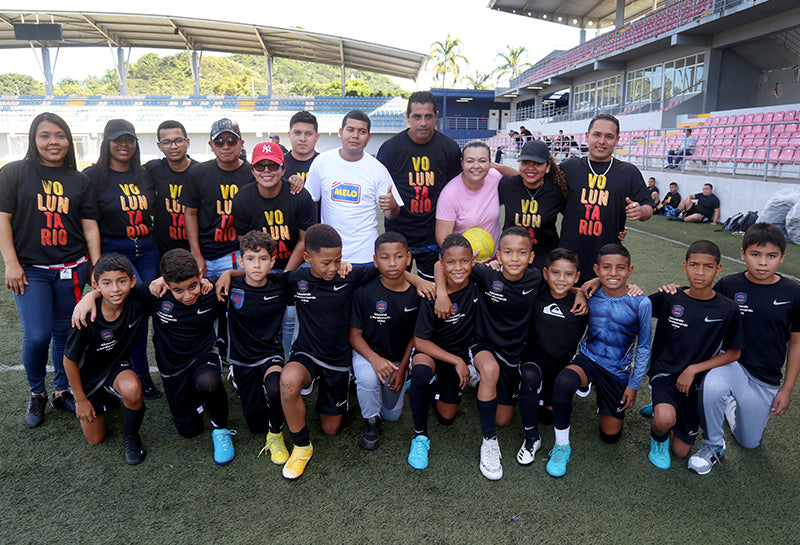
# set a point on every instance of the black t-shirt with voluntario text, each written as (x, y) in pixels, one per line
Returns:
(125, 206)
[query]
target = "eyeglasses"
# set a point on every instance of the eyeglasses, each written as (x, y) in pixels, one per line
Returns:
(261, 167)
(231, 141)
(170, 143)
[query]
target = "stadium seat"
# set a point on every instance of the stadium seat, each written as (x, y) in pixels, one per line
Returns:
(778, 117)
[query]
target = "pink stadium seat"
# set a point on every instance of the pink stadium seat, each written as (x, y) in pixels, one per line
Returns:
(739, 119)
(791, 115)
(708, 121)
(746, 130)
(760, 155)
(792, 129)
(759, 117)
(749, 118)
(715, 121)
(778, 117)
(768, 117)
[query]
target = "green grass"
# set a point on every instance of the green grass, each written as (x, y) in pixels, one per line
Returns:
(56, 488)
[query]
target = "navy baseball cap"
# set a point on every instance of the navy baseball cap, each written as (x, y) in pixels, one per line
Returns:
(536, 151)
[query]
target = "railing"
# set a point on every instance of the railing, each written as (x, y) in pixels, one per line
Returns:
(464, 123)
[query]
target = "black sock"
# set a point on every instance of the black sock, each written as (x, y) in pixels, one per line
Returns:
(273, 386)
(214, 397)
(487, 411)
(302, 438)
(660, 437)
(132, 420)
(420, 397)
(566, 384)
(529, 400)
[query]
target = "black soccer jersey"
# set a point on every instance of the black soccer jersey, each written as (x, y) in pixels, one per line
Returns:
(255, 319)
(691, 330)
(420, 172)
(182, 332)
(211, 190)
(282, 217)
(769, 314)
(386, 317)
(554, 331)
(456, 333)
(168, 212)
(295, 167)
(102, 344)
(506, 309)
(323, 311)
(125, 206)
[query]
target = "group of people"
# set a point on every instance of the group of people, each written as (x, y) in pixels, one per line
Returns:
(308, 292)
(695, 208)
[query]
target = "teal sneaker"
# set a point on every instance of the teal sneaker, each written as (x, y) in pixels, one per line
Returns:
(418, 455)
(647, 410)
(659, 454)
(223, 446)
(559, 456)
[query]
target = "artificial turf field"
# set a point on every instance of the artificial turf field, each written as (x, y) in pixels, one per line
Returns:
(56, 488)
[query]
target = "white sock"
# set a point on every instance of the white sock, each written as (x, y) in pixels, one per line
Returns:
(562, 436)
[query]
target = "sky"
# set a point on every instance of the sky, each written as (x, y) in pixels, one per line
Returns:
(407, 24)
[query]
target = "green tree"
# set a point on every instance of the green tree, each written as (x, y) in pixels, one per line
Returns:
(69, 87)
(447, 58)
(20, 84)
(513, 62)
(479, 80)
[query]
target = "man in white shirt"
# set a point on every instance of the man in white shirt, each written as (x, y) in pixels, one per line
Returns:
(684, 149)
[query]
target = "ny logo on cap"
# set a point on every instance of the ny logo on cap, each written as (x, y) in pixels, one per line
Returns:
(266, 148)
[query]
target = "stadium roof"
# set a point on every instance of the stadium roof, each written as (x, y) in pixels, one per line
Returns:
(82, 29)
(576, 13)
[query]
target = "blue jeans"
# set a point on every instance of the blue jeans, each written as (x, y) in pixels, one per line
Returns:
(45, 311)
(144, 255)
(674, 156)
(215, 267)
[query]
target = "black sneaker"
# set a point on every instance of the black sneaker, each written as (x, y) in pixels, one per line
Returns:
(34, 414)
(370, 434)
(149, 389)
(65, 402)
(134, 451)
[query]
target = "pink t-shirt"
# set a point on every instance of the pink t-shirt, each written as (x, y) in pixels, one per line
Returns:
(471, 208)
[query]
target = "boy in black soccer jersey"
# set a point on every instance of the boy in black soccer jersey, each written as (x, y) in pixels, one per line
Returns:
(553, 336)
(441, 346)
(381, 333)
(693, 325)
(748, 391)
(97, 357)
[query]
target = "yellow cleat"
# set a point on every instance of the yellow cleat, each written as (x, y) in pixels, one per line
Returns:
(297, 461)
(276, 447)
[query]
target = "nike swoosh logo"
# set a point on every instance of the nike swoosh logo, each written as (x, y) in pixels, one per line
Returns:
(341, 403)
(709, 320)
(134, 324)
(410, 309)
(203, 311)
(692, 433)
(776, 302)
(526, 292)
(475, 300)
(270, 297)
(338, 287)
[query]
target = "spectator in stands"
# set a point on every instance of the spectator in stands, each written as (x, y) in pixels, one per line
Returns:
(669, 205)
(208, 198)
(277, 141)
(498, 155)
(525, 134)
(349, 184)
(574, 148)
(303, 135)
(561, 146)
(125, 200)
(421, 160)
(604, 192)
(684, 149)
(699, 208)
(653, 188)
(517, 140)
(45, 251)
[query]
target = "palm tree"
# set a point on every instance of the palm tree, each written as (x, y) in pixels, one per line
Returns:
(513, 64)
(478, 80)
(446, 56)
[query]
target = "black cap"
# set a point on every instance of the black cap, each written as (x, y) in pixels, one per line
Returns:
(225, 125)
(536, 151)
(118, 127)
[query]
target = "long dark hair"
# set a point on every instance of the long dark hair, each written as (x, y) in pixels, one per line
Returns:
(103, 167)
(33, 152)
(558, 176)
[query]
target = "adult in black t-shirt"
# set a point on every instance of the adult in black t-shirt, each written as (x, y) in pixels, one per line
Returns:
(169, 175)
(671, 200)
(604, 192)
(125, 198)
(48, 225)
(304, 135)
(706, 209)
(421, 160)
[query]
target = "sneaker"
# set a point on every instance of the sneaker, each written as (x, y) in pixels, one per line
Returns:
(527, 452)
(149, 390)
(297, 461)
(585, 390)
(65, 402)
(730, 413)
(559, 456)
(371, 433)
(659, 454)
(134, 451)
(276, 447)
(647, 410)
(706, 458)
(34, 414)
(490, 459)
(418, 455)
(223, 446)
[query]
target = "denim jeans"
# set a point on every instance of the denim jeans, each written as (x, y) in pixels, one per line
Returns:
(215, 267)
(45, 311)
(144, 255)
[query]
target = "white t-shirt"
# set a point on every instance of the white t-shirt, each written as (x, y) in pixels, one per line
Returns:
(348, 192)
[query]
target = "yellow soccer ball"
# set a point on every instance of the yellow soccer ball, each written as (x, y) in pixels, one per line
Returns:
(481, 242)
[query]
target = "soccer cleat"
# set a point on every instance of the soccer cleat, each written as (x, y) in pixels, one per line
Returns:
(706, 458)
(584, 391)
(647, 410)
(223, 446)
(149, 390)
(559, 456)
(297, 461)
(490, 459)
(34, 414)
(527, 452)
(276, 447)
(370, 433)
(65, 402)
(730, 413)
(659, 454)
(418, 455)
(134, 451)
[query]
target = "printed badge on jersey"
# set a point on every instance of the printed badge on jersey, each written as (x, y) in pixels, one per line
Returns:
(677, 311)
(497, 286)
(381, 306)
(740, 298)
(302, 286)
(106, 334)
(454, 308)
(344, 192)
(166, 307)
(237, 298)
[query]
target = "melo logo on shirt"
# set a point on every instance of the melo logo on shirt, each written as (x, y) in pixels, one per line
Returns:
(349, 193)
